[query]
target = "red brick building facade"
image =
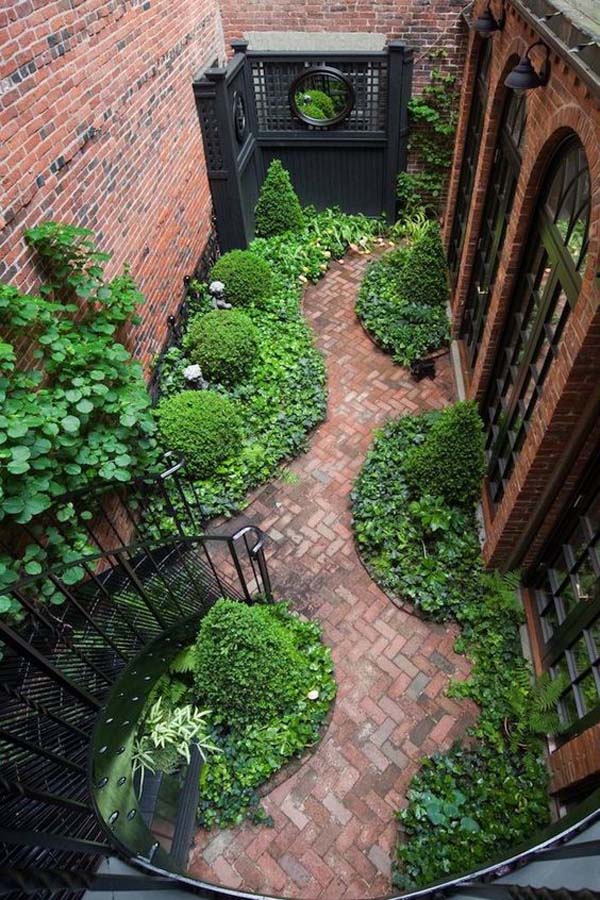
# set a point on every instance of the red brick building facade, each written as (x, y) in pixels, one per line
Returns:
(99, 128)
(522, 227)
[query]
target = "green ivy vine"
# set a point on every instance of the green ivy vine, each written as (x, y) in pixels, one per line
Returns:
(432, 117)
(74, 410)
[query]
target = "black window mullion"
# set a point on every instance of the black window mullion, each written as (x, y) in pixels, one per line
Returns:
(523, 370)
(546, 290)
(501, 190)
(471, 152)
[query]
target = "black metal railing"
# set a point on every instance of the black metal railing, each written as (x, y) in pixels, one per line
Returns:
(147, 569)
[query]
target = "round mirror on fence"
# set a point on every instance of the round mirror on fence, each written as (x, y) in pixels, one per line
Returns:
(321, 96)
(239, 116)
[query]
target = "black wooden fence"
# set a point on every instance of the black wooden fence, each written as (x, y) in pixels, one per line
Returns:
(247, 121)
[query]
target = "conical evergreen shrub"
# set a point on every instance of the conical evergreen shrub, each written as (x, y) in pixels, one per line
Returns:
(278, 208)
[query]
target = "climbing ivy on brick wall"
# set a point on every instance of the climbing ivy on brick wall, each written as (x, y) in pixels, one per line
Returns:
(74, 410)
(432, 116)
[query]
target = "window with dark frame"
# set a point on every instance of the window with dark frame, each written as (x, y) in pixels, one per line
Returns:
(470, 156)
(566, 591)
(546, 290)
(504, 175)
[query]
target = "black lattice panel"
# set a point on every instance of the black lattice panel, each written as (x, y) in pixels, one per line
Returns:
(210, 133)
(272, 80)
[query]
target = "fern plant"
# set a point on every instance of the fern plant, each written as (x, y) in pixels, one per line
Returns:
(534, 707)
(411, 227)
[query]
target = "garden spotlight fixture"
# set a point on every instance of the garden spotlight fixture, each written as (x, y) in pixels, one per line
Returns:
(524, 77)
(487, 24)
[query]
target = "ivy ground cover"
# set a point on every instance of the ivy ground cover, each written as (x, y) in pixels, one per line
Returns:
(254, 690)
(414, 522)
(402, 300)
(281, 396)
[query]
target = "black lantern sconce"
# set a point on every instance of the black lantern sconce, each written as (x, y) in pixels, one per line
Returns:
(524, 77)
(487, 24)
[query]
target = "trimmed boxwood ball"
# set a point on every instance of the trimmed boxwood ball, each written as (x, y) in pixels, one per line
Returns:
(203, 426)
(278, 208)
(224, 343)
(248, 667)
(248, 278)
(450, 463)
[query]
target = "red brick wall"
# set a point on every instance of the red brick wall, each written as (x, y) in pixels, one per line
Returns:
(99, 128)
(418, 24)
(564, 105)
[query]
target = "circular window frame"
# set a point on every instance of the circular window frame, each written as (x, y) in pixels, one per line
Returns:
(240, 117)
(333, 73)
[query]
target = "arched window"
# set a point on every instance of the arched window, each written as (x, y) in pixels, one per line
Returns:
(546, 290)
(500, 195)
(566, 590)
(470, 157)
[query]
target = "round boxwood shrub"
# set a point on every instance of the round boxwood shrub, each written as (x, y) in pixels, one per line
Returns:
(450, 462)
(224, 343)
(278, 208)
(203, 426)
(248, 278)
(248, 667)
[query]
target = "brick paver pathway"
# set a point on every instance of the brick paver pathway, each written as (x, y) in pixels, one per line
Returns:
(334, 817)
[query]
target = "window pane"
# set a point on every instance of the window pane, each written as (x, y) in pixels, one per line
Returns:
(500, 196)
(546, 291)
(470, 157)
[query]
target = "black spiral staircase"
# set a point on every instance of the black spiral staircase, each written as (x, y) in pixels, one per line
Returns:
(74, 678)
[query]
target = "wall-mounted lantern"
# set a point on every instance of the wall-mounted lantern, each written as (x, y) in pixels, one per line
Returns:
(524, 77)
(487, 24)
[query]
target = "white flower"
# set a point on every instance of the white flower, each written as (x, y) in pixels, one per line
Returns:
(216, 287)
(313, 695)
(192, 373)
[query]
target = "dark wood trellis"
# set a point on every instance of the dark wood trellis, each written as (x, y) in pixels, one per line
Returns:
(247, 121)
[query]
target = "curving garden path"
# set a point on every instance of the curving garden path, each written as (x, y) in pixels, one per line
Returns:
(334, 826)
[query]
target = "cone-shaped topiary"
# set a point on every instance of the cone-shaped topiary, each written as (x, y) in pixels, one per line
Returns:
(450, 463)
(203, 426)
(278, 208)
(424, 278)
(224, 343)
(248, 278)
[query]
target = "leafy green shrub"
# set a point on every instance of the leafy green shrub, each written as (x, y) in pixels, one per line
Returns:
(450, 462)
(248, 668)
(402, 299)
(416, 546)
(239, 756)
(248, 279)
(224, 343)
(278, 209)
(467, 806)
(203, 426)
(284, 397)
(315, 104)
(284, 721)
(424, 279)
(75, 412)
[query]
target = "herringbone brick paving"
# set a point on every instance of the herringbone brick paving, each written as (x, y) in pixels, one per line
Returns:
(334, 830)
